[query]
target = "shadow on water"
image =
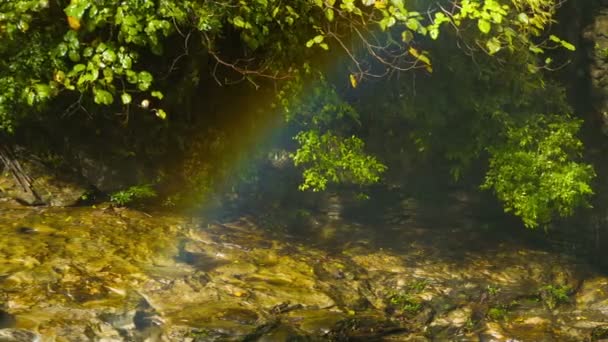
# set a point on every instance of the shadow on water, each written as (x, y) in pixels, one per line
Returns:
(392, 221)
(448, 227)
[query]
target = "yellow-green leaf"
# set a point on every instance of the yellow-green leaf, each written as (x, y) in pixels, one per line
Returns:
(161, 114)
(353, 80)
(484, 26)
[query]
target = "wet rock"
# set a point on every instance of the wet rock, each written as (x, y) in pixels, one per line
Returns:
(7, 320)
(452, 320)
(100, 331)
(592, 295)
(285, 307)
(283, 333)
(423, 318)
(493, 332)
(600, 333)
(108, 174)
(364, 328)
(315, 322)
(26, 230)
(145, 319)
(50, 187)
(18, 335)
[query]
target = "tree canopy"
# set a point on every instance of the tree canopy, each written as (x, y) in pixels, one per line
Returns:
(463, 79)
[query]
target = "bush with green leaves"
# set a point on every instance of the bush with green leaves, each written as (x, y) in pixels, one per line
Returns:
(330, 158)
(133, 194)
(535, 172)
(554, 295)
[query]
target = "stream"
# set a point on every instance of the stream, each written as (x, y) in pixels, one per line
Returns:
(112, 274)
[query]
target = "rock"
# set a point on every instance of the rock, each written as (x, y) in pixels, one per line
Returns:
(591, 292)
(493, 332)
(18, 335)
(459, 317)
(447, 324)
(316, 322)
(108, 175)
(50, 187)
(282, 333)
(6, 320)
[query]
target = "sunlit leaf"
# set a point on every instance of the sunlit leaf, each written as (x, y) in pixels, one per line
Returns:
(125, 98)
(161, 114)
(484, 26)
(353, 80)
(102, 96)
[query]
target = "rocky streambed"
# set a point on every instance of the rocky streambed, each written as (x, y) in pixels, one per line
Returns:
(106, 274)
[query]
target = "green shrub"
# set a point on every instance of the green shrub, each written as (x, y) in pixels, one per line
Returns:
(554, 295)
(132, 194)
(498, 313)
(405, 300)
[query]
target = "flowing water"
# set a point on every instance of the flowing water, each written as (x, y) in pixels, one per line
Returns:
(108, 274)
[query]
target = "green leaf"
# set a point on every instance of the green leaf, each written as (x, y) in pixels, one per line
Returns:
(74, 56)
(484, 26)
(238, 21)
(108, 56)
(76, 9)
(159, 95)
(387, 22)
(161, 114)
(126, 98)
(102, 96)
(535, 49)
(407, 36)
(329, 14)
(412, 24)
(523, 17)
(493, 45)
(144, 80)
(43, 91)
(79, 68)
(568, 46)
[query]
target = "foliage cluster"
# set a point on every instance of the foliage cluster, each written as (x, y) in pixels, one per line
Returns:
(95, 48)
(517, 119)
(498, 313)
(406, 300)
(101, 56)
(534, 172)
(133, 194)
(554, 295)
